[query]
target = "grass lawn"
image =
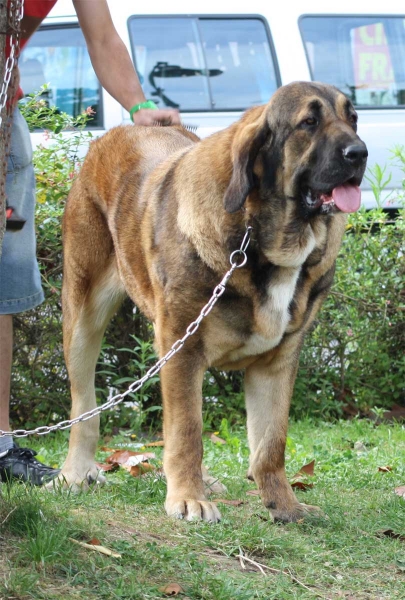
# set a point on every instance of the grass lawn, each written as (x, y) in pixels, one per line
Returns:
(342, 555)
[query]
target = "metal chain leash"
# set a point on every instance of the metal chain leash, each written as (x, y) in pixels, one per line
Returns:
(237, 260)
(8, 91)
(16, 9)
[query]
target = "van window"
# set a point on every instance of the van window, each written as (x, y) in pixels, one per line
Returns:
(204, 64)
(362, 56)
(59, 56)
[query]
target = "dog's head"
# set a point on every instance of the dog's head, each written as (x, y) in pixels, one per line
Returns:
(302, 147)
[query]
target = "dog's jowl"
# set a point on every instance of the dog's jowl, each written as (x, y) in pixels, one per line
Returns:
(155, 214)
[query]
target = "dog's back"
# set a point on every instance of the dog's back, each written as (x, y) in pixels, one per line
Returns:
(139, 150)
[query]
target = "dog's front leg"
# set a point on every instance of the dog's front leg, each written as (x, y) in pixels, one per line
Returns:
(182, 379)
(268, 390)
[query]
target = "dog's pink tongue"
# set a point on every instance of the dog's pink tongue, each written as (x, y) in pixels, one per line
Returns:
(347, 197)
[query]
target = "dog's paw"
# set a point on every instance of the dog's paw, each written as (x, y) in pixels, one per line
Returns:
(295, 513)
(192, 510)
(77, 482)
(212, 485)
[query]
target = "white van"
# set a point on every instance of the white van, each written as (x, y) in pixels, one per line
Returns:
(217, 59)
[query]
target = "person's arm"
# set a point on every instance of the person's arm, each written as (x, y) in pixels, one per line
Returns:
(112, 63)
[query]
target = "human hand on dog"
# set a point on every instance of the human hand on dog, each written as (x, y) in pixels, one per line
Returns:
(150, 117)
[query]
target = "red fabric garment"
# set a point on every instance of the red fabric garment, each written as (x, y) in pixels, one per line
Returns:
(33, 8)
(38, 8)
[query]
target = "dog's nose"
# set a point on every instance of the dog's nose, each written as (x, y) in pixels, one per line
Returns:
(355, 154)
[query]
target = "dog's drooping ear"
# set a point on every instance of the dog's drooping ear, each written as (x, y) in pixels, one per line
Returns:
(245, 147)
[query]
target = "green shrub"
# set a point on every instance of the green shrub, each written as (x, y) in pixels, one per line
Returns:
(353, 357)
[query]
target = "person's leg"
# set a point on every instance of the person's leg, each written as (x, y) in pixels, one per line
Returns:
(6, 357)
(20, 290)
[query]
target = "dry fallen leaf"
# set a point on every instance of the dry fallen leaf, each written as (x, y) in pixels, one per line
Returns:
(229, 502)
(298, 480)
(385, 469)
(253, 493)
(301, 485)
(217, 440)
(138, 470)
(133, 462)
(137, 460)
(391, 534)
(171, 589)
(120, 457)
(97, 548)
(307, 469)
(151, 444)
(105, 467)
(400, 491)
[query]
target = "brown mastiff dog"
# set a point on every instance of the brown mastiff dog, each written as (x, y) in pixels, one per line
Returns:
(155, 213)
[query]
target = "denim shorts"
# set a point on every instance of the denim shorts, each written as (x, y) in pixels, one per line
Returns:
(20, 280)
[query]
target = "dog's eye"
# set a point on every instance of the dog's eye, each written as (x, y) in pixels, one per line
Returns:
(353, 119)
(310, 122)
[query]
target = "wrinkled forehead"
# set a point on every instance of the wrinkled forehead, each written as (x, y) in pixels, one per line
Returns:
(297, 101)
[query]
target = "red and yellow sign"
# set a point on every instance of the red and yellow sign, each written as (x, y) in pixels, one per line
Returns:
(372, 60)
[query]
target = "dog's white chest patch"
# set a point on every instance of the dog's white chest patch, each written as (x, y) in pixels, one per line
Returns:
(272, 317)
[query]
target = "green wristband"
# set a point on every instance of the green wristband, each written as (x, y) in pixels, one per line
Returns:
(147, 104)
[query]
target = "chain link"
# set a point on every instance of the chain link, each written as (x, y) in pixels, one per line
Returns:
(16, 9)
(178, 345)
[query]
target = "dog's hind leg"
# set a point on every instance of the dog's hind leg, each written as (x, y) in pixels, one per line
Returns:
(268, 391)
(92, 291)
